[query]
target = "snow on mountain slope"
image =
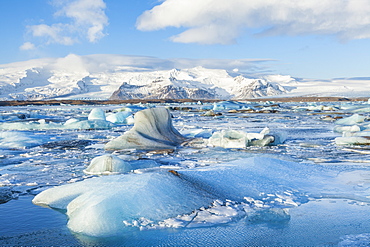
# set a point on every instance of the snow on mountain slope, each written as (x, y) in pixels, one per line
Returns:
(126, 77)
(123, 77)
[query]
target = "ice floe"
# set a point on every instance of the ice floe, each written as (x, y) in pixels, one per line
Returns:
(18, 139)
(105, 206)
(355, 240)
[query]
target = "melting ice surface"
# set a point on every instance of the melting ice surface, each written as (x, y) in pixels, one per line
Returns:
(306, 189)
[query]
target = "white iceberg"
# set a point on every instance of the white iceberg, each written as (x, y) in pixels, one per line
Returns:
(96, 120)
(353, 140)
(152, 129)
(240, 139)
(87, 124)
(350, 128)
(228, 105)
(123, 117)
(107, 164)
(99, 206)
(352, 120)
(96, 114)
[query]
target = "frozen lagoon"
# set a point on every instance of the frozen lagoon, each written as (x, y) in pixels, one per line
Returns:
(45, 160)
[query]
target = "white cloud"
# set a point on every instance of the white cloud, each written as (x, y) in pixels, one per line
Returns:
(86, 19)
(221, 21)
(27, 46)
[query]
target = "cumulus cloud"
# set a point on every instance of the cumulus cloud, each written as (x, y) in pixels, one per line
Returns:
(221, 22)
(27, 46)
(84, 19)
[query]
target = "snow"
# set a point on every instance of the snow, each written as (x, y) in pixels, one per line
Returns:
(99, 76)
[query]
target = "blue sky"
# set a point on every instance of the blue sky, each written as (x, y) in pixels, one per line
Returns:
(309, 39)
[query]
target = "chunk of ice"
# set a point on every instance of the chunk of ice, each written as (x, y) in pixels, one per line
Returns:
(353, 140)
(99, 206)
(152, 129)
(352, 120)
(119, 117)
(240, 139)
(107, 164)
(96, 114)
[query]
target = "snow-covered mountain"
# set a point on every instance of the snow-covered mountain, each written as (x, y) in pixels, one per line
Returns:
(122, 77)
(194, 83)
(127, 77)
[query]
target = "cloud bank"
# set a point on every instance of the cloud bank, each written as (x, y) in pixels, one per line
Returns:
(221, 22)
(83, 19)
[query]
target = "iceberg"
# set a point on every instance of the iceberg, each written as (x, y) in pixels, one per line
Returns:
(240, 139)
(152, 129)
(352, 120)
(353, 140)
(350, 128)
(107, 164)
(122, 117)
(96, 120)
(96, 114)
(99, 206)
(228, 105)
(87, 124)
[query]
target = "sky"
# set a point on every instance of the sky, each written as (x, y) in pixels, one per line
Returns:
(319, 39)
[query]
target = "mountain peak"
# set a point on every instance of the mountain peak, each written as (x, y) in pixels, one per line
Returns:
(103, 77)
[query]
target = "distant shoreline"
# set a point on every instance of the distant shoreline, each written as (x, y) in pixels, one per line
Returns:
(154, 101)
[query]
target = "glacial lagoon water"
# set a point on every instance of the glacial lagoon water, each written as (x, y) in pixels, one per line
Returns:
(39, 151)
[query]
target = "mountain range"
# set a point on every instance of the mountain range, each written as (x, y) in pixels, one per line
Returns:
(131, 77)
